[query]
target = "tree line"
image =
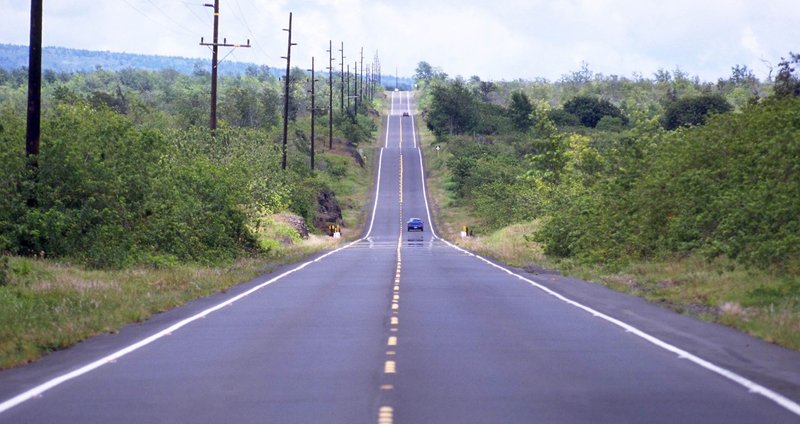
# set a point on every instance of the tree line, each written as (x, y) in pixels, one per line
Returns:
(129, 174)
(616, 168)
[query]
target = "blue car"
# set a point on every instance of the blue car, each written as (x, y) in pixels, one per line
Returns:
(415, 224)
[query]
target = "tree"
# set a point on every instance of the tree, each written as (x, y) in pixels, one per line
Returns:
(424, 71)
(693, 110)
(453, 109)
(787, 83)
(590, 110)
(520, 111)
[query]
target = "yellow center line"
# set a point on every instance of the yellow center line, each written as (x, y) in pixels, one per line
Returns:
(390, 367)
(385, 415)
(392, 341)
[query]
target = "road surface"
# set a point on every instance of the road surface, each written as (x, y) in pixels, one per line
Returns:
(403, 327)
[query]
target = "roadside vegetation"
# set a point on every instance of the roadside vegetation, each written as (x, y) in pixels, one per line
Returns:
(670, 188)
(134, 208)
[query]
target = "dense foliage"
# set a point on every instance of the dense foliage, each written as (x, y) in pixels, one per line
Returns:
(129, 174)
(693, 110)
(594, 165)
(590, 110)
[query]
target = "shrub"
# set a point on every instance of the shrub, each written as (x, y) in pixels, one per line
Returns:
(690, 111)
(589, 110)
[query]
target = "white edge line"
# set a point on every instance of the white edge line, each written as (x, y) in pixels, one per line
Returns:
(422, 174)
(750, 385)
(408, 109)
(41, 388)
(388, 119)
(377, 194)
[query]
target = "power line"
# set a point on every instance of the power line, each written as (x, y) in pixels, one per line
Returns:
(186, 4)
(170, 18)
(241, 17)
(215, 45)
(250, 33)
(169, 27)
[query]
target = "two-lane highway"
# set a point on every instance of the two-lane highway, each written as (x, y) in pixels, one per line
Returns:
(406, 328)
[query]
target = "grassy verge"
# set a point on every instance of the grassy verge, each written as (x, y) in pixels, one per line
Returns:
(46, 305)
(762, 303)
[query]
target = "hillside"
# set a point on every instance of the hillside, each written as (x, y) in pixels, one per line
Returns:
(61, 59)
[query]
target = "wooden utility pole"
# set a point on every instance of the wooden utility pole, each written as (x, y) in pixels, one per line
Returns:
(288, 58)
(330, 97)
(33, 129)
(355, 90)
(361, 80)
(313, 110)
(215, 45)
(342, 85)
(347, 82)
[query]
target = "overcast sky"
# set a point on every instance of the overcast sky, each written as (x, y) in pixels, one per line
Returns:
(493, 39)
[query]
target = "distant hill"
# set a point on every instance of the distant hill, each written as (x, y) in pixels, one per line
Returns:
(61, 59)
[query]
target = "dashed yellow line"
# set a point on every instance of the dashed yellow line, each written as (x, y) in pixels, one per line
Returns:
(385, 415)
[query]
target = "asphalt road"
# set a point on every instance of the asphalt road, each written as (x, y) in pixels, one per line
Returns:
(403, 327)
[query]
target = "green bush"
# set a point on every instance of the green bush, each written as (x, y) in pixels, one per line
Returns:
(110, 195)
(726, 188)
(690, 111)
(589, 110)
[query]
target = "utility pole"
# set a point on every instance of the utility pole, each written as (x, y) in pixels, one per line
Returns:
(330, 97)
(355, 90)
(288, 58)
(369, 82)
(215, 45)
(33, 130)
(361, 79)
(348, 70)
(313, 111)
(377, 72)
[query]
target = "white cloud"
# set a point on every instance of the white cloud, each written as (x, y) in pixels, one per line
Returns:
(502, 39)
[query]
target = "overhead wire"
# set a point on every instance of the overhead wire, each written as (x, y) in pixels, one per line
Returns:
(241, 18)
(171, 28)
(187, 4)
(170, 18)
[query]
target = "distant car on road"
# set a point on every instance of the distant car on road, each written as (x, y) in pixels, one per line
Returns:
(405, 114)
(415, 224)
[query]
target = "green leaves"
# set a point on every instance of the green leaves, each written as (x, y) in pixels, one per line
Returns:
(111, 195)
(693, 110)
